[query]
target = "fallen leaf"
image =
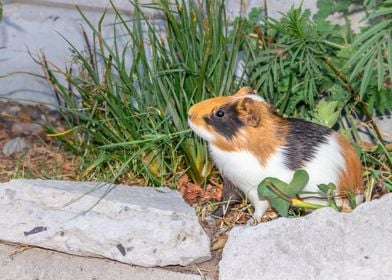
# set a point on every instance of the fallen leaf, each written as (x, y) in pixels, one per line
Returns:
(191, 192)
(219, 243)
(181, 183)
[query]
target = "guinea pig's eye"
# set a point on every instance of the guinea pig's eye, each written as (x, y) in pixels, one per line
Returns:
(220, 113)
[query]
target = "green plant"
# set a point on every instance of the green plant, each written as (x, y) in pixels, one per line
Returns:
(301, 63)
(329, 74)
(282, 195)
(128, 117)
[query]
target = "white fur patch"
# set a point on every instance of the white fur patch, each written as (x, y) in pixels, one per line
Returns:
(252, 96)
(244, 170)
(326, 165)
(201, 132)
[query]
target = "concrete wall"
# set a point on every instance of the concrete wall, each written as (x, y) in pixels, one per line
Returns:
(32, 27)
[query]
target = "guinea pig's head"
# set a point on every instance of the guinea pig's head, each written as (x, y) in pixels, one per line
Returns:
(227, 119)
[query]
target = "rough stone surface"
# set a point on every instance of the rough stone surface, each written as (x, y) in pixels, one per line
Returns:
(135, 225)
(35, 263)
(323, 245)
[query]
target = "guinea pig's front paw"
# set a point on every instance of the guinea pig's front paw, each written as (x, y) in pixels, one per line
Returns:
(259, 214)
(261, 206)
(267, 217)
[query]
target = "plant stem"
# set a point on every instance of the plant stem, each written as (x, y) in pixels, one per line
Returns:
(295, 201)
(303, 204)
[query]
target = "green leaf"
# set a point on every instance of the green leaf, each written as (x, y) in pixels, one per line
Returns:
(279, 193)
(324, 188)
(380, 68)
(327, 113)
(389, 55)
(282, 206)
(367, 76)
(381, 12)
(374, 31)
(267, 190)
(299, 181)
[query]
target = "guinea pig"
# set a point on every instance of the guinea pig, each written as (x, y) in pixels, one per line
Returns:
(248, 142)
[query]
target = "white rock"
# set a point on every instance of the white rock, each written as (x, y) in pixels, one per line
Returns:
(35, 263)
(135, 225)
(323, 245)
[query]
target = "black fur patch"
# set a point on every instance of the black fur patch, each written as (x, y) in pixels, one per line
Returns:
(229, 124)
(302, 141)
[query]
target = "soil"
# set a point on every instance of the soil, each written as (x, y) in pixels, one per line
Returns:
(40, 156)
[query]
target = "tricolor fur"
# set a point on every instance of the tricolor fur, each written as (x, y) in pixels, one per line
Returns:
(249, 142)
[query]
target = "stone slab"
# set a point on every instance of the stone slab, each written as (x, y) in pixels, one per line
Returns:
(135, 225)
(35, 263)
(323, 245)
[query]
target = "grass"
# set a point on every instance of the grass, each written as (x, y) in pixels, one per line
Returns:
(131, 119)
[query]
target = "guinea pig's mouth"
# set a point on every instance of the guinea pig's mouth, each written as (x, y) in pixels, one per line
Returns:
(200, 131)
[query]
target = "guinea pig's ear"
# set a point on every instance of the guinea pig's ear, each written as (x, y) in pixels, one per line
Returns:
(245, 91)
(249, 112)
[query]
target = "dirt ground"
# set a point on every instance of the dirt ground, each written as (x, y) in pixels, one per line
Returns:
(26, 151)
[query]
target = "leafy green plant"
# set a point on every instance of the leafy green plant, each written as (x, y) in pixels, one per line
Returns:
(372, 59)
(282, 195)
(128, 117)
(126, 103)
(327, 73)
(327, 113)
(323, 72)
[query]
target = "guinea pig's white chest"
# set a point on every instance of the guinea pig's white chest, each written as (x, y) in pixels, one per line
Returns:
(244, 170)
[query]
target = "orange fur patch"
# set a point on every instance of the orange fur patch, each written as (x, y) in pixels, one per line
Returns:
(245, 91)
(350, 179)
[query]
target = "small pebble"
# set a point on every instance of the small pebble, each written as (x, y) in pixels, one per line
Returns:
(13, 110)
(15, 145)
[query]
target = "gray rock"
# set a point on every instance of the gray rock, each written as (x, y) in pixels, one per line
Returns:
(35, 263)
(384, 124)
(15, 145)
(134, 225)
(323, 245)
(13, 110)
